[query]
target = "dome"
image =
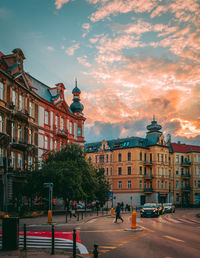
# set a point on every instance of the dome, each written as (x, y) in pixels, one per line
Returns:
(76, 107)
(154, 127)
(76, 90)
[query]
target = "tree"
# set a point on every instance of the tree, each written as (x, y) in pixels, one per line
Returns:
(103, 187)
(73, 177)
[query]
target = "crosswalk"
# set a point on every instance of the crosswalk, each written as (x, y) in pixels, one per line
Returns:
(170, 220)
(46, 242)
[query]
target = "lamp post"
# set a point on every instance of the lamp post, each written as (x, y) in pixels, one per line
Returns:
(50, 186)
(131, 202)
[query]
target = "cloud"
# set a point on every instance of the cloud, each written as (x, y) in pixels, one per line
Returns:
(70, 51)
(83, 61)
(59, 3)
(85, 26)
(50, 48)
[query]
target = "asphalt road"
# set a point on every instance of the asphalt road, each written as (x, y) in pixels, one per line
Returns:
(171, 235)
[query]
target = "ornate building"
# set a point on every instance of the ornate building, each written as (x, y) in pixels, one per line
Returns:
(144, 169)
(34, 119)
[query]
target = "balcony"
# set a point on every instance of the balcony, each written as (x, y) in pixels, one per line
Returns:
(148, 163)
(186, 163)
(148, 176)
(21, 115)
(148, 190)
(186, 188)
(19, 144)
(185, 176)
(62, 133)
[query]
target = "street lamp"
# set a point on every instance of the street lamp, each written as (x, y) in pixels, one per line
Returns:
(50, 186)
(131, 202)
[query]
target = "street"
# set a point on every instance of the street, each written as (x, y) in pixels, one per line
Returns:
(171, 235)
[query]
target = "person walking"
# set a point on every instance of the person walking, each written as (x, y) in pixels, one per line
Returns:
(118, 209)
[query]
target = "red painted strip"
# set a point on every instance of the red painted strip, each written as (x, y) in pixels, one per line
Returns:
(180, 220)
(57, 234)
(144, 220)
(168, 220)
(156, 220)
(192, 221)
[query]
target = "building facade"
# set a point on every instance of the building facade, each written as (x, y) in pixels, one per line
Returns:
(34, 119)
(143, 170)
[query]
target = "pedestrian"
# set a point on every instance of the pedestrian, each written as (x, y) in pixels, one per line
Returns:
(118, 216)
(122, 206)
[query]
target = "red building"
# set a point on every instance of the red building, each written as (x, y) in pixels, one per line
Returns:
(58, 123)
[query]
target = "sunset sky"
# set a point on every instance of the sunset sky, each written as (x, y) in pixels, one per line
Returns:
(132, 59)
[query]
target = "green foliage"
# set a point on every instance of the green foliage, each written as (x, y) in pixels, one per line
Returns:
(73, 177)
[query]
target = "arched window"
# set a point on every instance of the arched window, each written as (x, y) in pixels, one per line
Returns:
(140, 155)
(119, 157)
(129, 156)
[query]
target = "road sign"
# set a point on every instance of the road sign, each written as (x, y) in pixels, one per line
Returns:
(48, 185)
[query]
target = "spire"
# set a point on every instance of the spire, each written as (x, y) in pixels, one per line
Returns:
(75, 82)
(154, 119)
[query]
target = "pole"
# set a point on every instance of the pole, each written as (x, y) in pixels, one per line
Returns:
(24, 236)
(5, 164)
(51, 202)
(52, 240)
(74, 243)
(95, 251)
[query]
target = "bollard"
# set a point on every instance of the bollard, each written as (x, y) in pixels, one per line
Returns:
(52, 240)
(49, 217)
(66, 218)
(133, 220)
(95, 252)
(74, 243)
(24, 236)
(112, 213)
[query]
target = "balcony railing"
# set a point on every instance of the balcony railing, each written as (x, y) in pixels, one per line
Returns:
(62, 133)
(185, 176)
(148, 190)
(186, 163)
(19, 143)
(148, 163)
(148, 176)
(186, 188)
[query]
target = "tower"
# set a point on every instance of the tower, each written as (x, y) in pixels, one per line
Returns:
(76, 107)
(153, 133)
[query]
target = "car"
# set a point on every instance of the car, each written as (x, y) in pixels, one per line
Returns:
(161, 208)
(169, 207)
(80, 206)
(150, 210)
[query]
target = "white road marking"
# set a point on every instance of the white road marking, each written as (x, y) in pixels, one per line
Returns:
(174, 239)
(91, 221)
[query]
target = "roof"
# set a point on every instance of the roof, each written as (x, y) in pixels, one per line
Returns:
(184, 148)
(118, 144)
(41, 89)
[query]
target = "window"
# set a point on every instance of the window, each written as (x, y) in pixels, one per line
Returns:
(158, 171)
(13, 131)
(166, 172)
(161, 157)
(145, 171)
(1, 124)
(61, 124)
(195, 171)
(30, 162)
(182, 184)
(30, 136)
(70, 128)
(140, 155)
(177, 158)
(177, 197)
(129, 156)
(165, 184)
(1, 91)
(107, 171)
(1, 156)
(158, 156)
(79, 131)
(120, 185)
(140, 170)
(13, 160)
(177, 184)
(158, 184)
(110, 157)
(165, 157)
(129, 184)
(150, 157)
(56, 145)
(101, 159)
(162, 174)
(14, 97)
(106, 157)
(46, 142)
(119, 157)
(31, 109)
(198, 183)
(19, 160)
(61, 145)
(57, 122)
(21, 103)
(111, 171)
(177, 171)
(161, 184)
(19, 133)
(129, 170)
(145, 157)
(46, 117)
(119, 171)
(195, 184)
(182, 171)
(140, 184)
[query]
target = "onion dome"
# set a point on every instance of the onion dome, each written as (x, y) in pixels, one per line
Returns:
(76, 89)
(154, 127)
(76, 106)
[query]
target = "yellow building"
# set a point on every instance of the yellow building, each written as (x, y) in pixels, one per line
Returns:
(143, 170)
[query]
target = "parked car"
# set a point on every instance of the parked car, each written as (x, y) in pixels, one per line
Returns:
(169, 207)
(150, 210)
(161, 208)
(80, 206)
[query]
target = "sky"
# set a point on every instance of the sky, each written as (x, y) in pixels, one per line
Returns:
(132, 58)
